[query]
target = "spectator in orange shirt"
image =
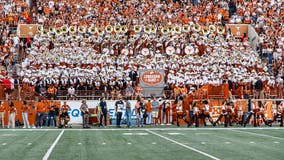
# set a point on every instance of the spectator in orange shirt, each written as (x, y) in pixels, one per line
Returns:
(40, 113)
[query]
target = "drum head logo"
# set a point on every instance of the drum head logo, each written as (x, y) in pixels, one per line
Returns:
(152, 77)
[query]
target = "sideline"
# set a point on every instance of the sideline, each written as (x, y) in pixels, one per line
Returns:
(47, 154)
(258, 134)
(183, 145)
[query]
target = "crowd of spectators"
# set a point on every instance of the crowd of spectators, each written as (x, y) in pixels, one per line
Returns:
(109, 62)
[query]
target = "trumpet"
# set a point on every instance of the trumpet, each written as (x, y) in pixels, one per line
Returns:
(72, 29)
(64, 29)
(220, 30)
(177, 29)
(124, 29)
(205, 30)
(197, 28)
(82, 29)
(92, 30)
(185, 28)
(117, 29)
(108, 29)
(212, 28)
(137, 28)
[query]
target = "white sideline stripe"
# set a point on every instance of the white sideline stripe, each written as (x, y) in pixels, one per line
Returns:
(258, 134)
(47, 154)
(143, 129)
(183, 145)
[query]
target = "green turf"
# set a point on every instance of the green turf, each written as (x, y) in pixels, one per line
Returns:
(133, 144)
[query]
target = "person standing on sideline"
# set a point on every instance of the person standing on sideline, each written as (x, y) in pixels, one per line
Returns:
(85, 113)
(103, 112)
(12, 115)
(155, 109)
(149, 112)
(40, 113)
(119, 106)
(51, 114)
(25, 111)
(64, 117)
(128, 112)
(2, 113)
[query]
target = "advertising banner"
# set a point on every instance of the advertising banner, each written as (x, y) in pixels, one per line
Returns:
(152, 82)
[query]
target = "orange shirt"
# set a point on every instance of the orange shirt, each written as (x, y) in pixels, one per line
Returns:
(12, 109)
(148, 107)
(65, 108)
(25, 108)
(40, 107)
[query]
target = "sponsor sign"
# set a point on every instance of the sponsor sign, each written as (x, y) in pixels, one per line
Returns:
(152, 82)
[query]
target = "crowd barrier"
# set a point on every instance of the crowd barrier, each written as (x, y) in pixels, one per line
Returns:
(269, 106)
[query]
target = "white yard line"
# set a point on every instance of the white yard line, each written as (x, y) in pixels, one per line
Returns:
(47, 154)
(258, 134)
(183, 145)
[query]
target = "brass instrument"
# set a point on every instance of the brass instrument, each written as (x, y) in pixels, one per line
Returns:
(137, 28)
(45, 32)
(117, 29)
(109, 29)
(51, 30)
(92, 30)
(147, 29)
(212, 28)
(194, 36)
(39, 29)
(58, 31)
(100, 31)
(205, 30)
(72, 29)
(165, 30)
(153, 29)
(81, 29)
(197, 28)
(220, 30)
(64, 29)
(177, 29)
(185, 28)
(124, 29)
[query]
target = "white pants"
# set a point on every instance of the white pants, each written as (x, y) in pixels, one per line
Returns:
(25, 119)
(11, 122)
(2, 118)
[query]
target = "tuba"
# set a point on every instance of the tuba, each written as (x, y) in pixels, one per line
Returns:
(137, 28)
(197, 28)
(165, 30)
(117, 29)
(81, 29)
(147, 29)
(124, 29)
(205, 30)
(39, 29)
(108, 29)
(153, 29)
(58, 31)
(220, 30)
(92, 30)
(100, 31)
(72, 29)
(212, 28)
(177, 29)
(64, 29)
(51, 30)
(185, 28)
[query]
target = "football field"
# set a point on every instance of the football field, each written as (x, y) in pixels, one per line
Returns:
(145, 143)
